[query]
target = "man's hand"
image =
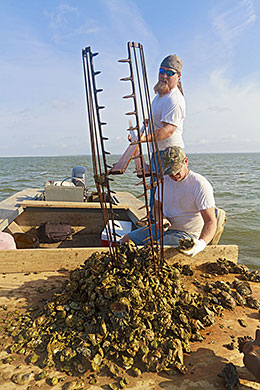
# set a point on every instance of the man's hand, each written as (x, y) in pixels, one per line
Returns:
(166, 224)
(198, 246)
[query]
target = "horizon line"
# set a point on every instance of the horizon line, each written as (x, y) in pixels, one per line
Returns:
(116, 154)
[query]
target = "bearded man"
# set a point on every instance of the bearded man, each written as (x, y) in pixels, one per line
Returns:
(168, 108)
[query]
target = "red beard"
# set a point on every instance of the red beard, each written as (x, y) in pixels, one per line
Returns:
(162, 88)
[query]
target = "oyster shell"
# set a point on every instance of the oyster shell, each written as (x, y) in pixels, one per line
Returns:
(124, 312)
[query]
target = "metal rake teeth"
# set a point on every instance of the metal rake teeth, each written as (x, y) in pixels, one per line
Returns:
(142, 109)
(129, 96)
(135, 45)
(124, 60)
(132, 128)
(127, 78)
(100, 166)
(86, 50)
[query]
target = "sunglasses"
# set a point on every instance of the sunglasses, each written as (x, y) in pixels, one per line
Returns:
(169, 73)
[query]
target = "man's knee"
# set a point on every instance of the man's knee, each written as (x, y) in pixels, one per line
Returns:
(125, 239)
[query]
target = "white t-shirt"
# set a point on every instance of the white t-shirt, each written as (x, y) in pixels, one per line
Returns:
(183, 200)
(170, 108)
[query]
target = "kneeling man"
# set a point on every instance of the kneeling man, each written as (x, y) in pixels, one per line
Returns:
(188, 205)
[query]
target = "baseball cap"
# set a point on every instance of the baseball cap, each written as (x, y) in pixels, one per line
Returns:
(172, 62)
(172, 159)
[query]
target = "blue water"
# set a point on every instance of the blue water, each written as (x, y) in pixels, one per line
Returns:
(235, 179)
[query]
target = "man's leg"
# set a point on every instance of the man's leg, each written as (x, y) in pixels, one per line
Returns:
(151, 202)
(172, 237)
(140, 236)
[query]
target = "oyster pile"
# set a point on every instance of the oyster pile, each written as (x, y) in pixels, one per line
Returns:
(224, 266)
(237, 293)
(118, 315)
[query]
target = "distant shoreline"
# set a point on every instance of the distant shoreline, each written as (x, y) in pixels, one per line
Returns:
(111, 155)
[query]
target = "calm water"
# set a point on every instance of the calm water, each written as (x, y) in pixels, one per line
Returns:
(235, 178)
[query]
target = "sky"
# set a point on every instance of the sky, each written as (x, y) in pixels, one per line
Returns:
(42, 95)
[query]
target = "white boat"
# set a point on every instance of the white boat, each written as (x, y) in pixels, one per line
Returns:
(66, 202)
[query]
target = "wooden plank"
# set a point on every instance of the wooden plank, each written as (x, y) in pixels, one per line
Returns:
(138, 166)
(135, 212)
(210, 253)
(10, 208)
(38, 260)
(137, 160)
(14, 228)
(120, 167)
(89, 219)
(68, 205)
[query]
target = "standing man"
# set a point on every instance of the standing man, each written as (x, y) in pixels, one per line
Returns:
(168, 108)
(188, 205)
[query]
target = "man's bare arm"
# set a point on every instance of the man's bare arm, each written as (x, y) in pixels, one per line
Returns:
(162, 133)
(210, 224)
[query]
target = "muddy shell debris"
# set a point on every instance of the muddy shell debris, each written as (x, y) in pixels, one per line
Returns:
(230, 377)
(114, 316)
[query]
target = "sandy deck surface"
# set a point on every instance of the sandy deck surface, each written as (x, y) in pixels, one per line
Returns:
(22, 291)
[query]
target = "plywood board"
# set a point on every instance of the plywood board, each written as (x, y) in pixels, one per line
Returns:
(10, 208)
(36, 260)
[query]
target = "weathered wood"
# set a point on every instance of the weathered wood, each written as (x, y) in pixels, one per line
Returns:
(91, 220)
(36, 260)
(67, 205)
(138, 166)
(14, 228)
(76, 218)
(210, 253)
(136, 211)
(10, 208)
(120, 167)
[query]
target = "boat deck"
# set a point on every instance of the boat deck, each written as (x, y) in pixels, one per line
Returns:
(22, 291)
(24, 213)
(11, 207)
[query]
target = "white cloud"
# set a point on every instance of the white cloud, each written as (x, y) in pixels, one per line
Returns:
(66, 22)
(126, 18)
(218, 109)
(60, 15)
(218, 41)
(57, 104)
(231, 23)
(223, 114)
